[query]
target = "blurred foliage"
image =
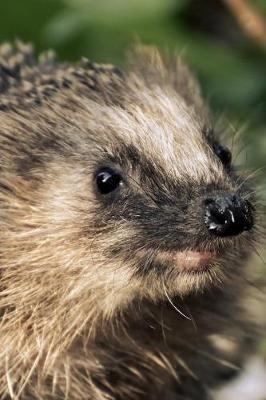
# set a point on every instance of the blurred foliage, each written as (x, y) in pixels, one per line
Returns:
(230, 66)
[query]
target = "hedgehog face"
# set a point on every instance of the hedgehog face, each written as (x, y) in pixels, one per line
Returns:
(168, 207)
(149, 204)
(111, 201)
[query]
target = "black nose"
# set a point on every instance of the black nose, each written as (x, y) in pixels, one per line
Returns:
(228, 216)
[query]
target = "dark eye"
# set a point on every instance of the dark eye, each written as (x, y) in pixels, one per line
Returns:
(108, 180)
(224, 154)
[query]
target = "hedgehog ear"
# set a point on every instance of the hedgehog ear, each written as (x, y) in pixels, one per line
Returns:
(148, 63)
(186, 84)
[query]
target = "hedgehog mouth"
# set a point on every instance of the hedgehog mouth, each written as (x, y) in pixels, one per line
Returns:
(189, 261)
(194, 261)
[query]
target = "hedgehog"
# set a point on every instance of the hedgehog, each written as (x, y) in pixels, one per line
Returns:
(125, 231)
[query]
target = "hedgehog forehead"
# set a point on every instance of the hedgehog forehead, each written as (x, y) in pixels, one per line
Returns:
(163, 129)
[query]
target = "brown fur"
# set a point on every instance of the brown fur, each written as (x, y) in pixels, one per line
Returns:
(78, 318)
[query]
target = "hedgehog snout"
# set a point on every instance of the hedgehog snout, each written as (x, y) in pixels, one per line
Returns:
(228, 216)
